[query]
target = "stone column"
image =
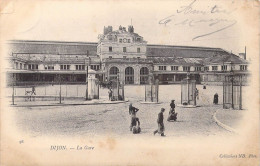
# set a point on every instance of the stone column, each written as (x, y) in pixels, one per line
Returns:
(121, 73)
(92, 86)
(107, 75)
(136, 74)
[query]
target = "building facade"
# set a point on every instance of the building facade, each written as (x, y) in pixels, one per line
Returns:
(122, 53)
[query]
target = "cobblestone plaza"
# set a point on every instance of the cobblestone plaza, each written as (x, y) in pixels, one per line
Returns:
(93, 120)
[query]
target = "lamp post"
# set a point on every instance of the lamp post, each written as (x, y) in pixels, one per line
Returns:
(87, 64)
(188, 78)
(117, 86)
(240, 88)
(13, 83)
(13, 90)
(232, 87)
(60, 86)
(86, 80)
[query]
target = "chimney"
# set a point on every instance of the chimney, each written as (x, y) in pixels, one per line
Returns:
(105, 30)
(120, 27)
(124, 29)
(130, 29)
(108, 29)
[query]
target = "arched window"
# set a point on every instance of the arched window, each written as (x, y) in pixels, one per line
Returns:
(113, 73)
(129, 75)
(144, 75)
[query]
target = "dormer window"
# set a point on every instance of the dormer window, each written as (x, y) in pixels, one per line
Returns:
(120, 40)
(138, 39)
(128, 40)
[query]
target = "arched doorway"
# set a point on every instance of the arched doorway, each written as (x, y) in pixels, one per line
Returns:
(129, 75)
(113, 73)
(144, 72)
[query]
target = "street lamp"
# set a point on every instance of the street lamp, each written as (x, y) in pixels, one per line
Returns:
(13, 90)
(60, 86)
(118, 86)
(232, 86)
(13, 80)
(87, 64)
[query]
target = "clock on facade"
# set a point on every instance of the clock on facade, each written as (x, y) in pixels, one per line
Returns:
(125, 40)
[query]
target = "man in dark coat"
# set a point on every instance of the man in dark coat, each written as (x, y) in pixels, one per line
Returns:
(132, 112)
(172, 105)
(136, 125)
(110, 94)
(215, 101)
(160, 123)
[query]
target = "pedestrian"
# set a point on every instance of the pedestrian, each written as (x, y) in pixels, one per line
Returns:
(136, 125)
(160, 123)
(110, 94)
(132, 113)
(204, 86)
(33, 91)
(215, 100)
(172, 115)
(172, 105)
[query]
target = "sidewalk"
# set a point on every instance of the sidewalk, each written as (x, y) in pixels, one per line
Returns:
(229, 119)
(65, 102)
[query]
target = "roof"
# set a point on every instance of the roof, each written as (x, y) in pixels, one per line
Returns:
(55, 58)
(53, 47)
(183, 51)
(128, 60)
(90, 48)
(230, 58)
(178, 61)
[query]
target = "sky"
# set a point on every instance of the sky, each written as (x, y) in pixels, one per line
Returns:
(186, 22)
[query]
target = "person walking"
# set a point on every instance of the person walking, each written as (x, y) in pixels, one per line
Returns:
(110, 94)
(132, 113)
(172, 105)
(160, 123)
(215, 100)
(33, 90)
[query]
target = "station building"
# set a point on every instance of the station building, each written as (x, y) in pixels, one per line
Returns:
(122, 53)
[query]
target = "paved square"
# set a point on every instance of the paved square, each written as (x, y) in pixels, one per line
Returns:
(94, 120)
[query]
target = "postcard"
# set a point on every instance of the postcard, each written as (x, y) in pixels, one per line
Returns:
(129, 82)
